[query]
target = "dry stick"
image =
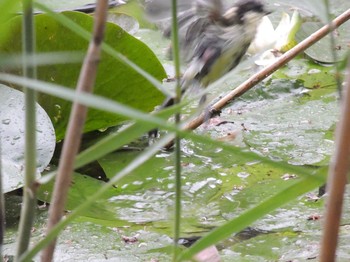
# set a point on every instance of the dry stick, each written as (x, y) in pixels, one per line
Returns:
(282, 60)
(75, 127)
(337, 179)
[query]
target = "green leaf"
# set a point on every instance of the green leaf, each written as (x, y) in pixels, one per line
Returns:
(114, 80)
(8, 8)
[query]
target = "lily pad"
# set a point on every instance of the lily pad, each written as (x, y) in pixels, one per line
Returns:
(323, 50)
(310, 75)
(12, 135)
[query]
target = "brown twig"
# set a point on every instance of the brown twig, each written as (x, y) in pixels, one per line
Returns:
(75, 126)
(337, 179)
(258, 77)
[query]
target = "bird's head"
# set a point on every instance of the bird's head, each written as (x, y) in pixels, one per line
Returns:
(245, 12)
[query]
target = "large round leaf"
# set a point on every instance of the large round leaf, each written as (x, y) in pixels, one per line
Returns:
(12, 138)
(323, 51)
(114, 79)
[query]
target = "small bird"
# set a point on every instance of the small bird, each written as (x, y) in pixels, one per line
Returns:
(213, 39)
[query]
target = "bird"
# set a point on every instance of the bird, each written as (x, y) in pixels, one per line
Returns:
(213, 39)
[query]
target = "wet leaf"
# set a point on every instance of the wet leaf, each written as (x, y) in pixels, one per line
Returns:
(12, 127)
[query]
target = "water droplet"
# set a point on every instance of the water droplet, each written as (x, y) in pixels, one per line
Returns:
(6, 121)
(314, 71)
(243, 174)
(102, 129)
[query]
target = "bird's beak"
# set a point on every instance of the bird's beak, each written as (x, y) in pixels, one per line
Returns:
(267, 11)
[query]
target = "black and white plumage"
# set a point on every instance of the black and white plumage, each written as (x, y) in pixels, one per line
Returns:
(213, 38)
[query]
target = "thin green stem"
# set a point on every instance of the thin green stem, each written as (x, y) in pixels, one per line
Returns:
(29, 192)
(177, 218)
(175, 44)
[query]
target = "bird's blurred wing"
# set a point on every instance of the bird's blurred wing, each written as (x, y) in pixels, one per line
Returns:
(157, 10)
(209, 9)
